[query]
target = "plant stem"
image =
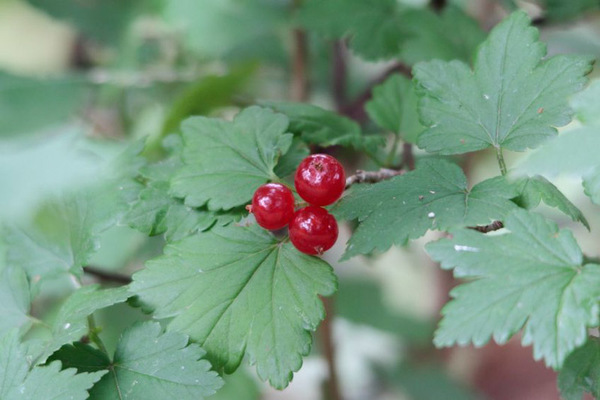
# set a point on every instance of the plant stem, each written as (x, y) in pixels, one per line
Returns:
(326, 334)
(500, 158)
(93, 334)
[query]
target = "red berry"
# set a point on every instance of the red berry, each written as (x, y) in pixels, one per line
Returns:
(320, 179)
(313, 230)
(273, 205)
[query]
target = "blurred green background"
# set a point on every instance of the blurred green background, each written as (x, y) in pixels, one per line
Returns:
(81, 79)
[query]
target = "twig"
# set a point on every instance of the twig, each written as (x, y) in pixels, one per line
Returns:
(494, 226)
(106, 276)
(408, 158)
(299, 86)
(326, 335)
(372, 176)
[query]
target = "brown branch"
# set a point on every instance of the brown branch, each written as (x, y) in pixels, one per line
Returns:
(408, 158)
(372, 176)
(107, 276)
(494, 226)
(299, 86)
(328, 348)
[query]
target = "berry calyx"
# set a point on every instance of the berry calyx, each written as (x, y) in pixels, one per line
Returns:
(320, 179)
(273, 206)
(313, 230)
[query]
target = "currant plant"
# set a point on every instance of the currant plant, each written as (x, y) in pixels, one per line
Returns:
(244, 204)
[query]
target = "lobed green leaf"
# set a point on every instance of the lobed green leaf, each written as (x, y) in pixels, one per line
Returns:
(220, 155)
(19, 382)
(513, 98)
(434, 196)
(531, 278)
(147, 364)
(237, 291)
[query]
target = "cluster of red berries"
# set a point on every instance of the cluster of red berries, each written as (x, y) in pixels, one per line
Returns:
(320, 180)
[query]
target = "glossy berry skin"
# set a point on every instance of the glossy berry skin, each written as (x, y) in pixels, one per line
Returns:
(273, 205)
(320, 179)
(313, 230)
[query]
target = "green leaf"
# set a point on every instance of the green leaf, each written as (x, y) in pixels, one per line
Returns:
(62, 236)
(18, 382)
(513, 99)
(375, 27)
(60, 240)
(147, 364)
(236, 290)
(446, 36)
(220, 155)
(323, 127)
(15, 298)
(71, 322)
(581, 372)
(532, 277)
(434, 196)
(536, 189)
(156, 211)
(110, 196)
(394, 107)
(37, 98)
